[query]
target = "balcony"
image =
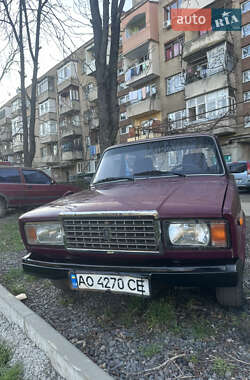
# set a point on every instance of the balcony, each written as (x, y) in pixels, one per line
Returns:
(140, 26)
(5, 134)
(94, 123)
(50, 159)
(71, 81)
(68, 156)
(144, 107)
(211, 83)
(52, 137)
(71, 106)
(89, 67)
(92, 95)
(18, 147)
(203, 42)
(70, 130)
(192, 4)
(5, 120)
(143, 72)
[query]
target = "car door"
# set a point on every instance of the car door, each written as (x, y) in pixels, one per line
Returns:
(12, 186)
(39, 187)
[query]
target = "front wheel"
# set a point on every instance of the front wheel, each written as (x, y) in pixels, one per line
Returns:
(231, 296)
(3, 208)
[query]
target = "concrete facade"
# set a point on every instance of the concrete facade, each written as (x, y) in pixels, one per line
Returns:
(168, 82)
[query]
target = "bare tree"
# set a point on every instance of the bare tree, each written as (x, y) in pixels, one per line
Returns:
(27, 21)
(106, 29)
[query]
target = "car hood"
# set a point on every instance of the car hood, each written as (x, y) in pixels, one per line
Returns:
(179, 197)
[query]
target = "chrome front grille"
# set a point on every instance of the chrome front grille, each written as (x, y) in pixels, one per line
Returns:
(133, 234)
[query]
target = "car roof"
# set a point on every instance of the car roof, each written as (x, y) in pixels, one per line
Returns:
(184, 135)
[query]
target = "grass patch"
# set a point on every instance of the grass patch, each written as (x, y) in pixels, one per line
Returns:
(10, 238)
(221, 366)
(16, 280)
(150, 350)
(200, 328)
(161, 313)
(8, 372)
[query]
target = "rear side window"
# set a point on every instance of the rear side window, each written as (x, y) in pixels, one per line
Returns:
(8, 175)
(36, 177)
(237, 167)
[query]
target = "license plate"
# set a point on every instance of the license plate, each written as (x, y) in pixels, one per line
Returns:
(111, 283)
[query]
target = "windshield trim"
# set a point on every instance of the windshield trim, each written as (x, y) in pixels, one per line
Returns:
(225, 171)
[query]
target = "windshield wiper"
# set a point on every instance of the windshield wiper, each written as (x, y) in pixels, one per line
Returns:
(160, 172)
(110, 179)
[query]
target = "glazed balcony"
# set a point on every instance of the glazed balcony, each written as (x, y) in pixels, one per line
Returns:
(93, 123)
(5, 120)
(92, 95)
(18, 147)
(52, 137)
(203, 42)
(144, 107)
(89, 67)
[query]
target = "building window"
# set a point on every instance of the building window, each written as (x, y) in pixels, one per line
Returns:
(247, 121)
(2, 113)
(47, 106)
(245, 7)
(167, 11)
(48, 128)
(245, 30)
(47, 84)
(177, 119)
(173, 49)
(246, 76)
(246, 51)
(17, 125)
(125, 130)
(246, 96)
(67, 71)
(210, 106)
(174, 84)
(124, 99)
(16, 105)
(123, 116)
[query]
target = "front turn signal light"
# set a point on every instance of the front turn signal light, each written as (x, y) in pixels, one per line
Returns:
(218, 234)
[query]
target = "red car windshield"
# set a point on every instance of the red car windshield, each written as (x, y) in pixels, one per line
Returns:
(173, 156)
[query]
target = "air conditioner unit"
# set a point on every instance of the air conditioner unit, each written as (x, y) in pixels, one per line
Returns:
(166, 23)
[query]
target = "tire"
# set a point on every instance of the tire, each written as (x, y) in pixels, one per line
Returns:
(231, 296)
(3, 208)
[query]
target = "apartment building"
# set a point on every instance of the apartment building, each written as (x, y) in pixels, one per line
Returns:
(168, 82)
(141, 65)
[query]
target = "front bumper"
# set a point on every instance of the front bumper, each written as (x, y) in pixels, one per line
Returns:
(225, 274)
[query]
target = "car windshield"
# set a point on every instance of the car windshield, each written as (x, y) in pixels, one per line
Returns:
(178, 156)
(237, 167)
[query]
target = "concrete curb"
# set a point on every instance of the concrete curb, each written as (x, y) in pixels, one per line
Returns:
(67, 360)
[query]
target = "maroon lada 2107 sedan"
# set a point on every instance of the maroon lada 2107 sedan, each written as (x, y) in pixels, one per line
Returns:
(158, 212)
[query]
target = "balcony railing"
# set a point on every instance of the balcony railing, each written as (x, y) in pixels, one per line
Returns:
(194, 73)
(69, 107)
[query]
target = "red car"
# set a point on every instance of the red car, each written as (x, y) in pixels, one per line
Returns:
(175, 219)
(21, 187)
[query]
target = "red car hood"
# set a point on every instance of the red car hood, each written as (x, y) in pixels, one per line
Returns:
(179, 197)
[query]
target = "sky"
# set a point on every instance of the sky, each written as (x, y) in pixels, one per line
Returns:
(49, 56)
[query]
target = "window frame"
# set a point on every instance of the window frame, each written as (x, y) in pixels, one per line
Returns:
(171, 45)
(167, 86)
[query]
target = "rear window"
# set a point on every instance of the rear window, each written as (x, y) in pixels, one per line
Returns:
(8, 175)
(237, 167)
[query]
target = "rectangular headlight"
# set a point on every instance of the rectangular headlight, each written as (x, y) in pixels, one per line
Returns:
(198, 233)
(47, 233)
